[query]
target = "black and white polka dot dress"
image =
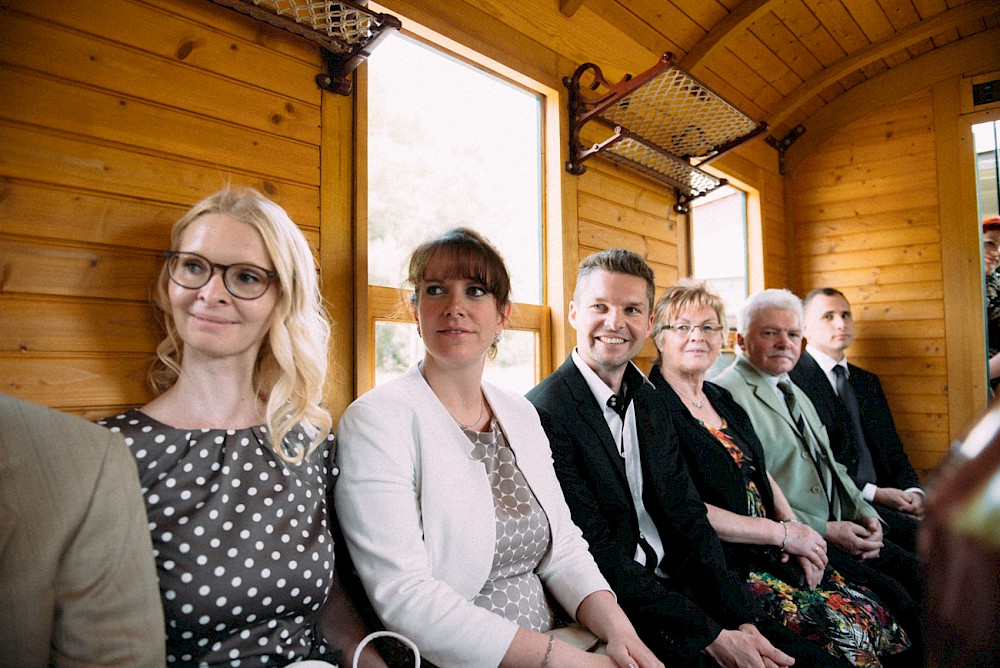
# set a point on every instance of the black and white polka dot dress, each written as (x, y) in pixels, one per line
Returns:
(243, 549)
(514, 590)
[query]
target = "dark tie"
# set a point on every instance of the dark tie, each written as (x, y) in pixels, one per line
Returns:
(618, 405)
(823, 466)
(866, 467)
(793, 405)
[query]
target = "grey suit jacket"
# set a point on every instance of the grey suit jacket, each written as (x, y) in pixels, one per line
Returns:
(77, 577)
(787, 459)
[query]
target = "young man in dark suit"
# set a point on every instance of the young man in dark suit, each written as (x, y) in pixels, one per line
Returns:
(851, 403)
(618, 461)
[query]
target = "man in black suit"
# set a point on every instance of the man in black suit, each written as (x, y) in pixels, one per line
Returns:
(852, 405)
(618, 460)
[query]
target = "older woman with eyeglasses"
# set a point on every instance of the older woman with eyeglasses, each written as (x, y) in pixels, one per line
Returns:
(784, 562)
(235, 453)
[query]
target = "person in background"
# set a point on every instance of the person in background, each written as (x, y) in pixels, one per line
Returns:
(448, 502)
(851, 403)
(619, 462)
(799, 458)
(235, 454)
(77, 579)
(991, 260)
(783, 561)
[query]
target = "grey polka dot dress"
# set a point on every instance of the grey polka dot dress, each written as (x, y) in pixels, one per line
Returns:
(243, 550)
(514, 590)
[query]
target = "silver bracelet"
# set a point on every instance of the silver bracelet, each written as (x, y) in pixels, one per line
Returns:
(548, 652)
(784, 541)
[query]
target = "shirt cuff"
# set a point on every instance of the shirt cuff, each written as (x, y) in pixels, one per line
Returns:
(868, 493)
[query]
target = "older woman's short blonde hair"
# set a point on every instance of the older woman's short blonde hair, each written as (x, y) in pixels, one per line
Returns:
(290, 371)
(684, 294)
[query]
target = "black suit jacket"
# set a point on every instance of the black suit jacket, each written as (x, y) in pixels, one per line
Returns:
(701, 595)
(892, 466)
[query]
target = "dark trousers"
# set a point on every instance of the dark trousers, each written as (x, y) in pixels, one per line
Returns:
(806, 653)
(900, 528)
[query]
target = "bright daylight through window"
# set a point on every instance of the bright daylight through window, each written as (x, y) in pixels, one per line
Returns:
(451, 145)
(719, 252)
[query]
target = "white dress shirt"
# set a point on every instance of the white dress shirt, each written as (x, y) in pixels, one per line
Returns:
(627, 439)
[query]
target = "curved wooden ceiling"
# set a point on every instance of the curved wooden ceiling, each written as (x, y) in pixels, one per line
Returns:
(788, 62)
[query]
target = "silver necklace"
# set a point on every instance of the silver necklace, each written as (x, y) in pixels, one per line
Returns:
(697, 404)
(479, 420)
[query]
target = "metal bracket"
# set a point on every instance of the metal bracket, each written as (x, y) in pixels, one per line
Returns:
(781, 145)
(346, 31)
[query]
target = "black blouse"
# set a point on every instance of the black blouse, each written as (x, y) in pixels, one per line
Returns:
(718, 479)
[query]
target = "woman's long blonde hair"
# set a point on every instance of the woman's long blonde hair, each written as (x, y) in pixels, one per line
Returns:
(290, 371)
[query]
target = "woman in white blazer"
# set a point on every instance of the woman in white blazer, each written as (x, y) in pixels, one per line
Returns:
(447, 497)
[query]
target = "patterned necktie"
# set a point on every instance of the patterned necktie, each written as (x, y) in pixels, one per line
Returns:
(793, 405)
(823, 466)
(618, 405)
(866, 467)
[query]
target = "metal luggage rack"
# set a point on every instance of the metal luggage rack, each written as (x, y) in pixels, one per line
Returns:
(664, 123)
(346, 31)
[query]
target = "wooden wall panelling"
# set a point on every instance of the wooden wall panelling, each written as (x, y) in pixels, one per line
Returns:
(55, 213)
(867, 222)
(101, 61)
(79, 162)
(71, 325)
(338, 251)
(122, 120)
(535, 38)
(43, 267)
(621, 209)
(168, 103)
(91, 384)
(962, 254)
(909, 78)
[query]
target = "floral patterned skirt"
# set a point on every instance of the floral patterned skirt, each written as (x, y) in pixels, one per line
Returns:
(845, 620)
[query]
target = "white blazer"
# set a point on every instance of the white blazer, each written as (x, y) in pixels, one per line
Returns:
(418, 518)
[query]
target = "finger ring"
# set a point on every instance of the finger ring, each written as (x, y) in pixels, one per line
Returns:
(817, 548)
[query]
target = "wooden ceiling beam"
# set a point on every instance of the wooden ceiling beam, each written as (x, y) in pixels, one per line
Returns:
(966, 56)
(918, 32)
(724, 33)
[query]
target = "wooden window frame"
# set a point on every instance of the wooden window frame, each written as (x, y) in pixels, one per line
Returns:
(385, 304)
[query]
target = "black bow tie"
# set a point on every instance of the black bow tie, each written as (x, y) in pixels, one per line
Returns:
(618, 405)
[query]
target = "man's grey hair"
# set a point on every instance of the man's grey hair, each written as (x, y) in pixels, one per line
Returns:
(772, 298)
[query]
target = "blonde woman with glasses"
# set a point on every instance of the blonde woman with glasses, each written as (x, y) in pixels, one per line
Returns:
(235, 454)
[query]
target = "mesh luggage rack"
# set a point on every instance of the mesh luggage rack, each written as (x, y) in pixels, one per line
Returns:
(661, 122)
(346, 31)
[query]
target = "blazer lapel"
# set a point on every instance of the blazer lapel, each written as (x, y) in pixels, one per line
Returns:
(763, 391)
(590, 414)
